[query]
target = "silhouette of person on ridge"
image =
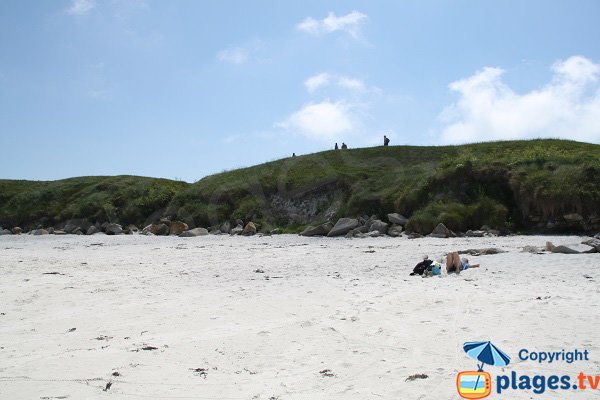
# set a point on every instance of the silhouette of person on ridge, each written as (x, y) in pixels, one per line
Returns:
(344, 147)
(386, 141)
(336, 146)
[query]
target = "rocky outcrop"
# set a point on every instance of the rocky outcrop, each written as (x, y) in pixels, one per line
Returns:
(395, 230)
(194, 232)
(92, 230)
(237, 230)
(320, 230)
(343, 226)
(5, 232)
(17, 230)
(159, 229)
(114, 229)
(178, 227)
(249, 229)
(441, 231)
(225, 228)
(397, 219)
(378, 226)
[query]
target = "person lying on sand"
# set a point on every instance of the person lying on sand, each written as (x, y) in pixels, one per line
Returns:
(455, 264)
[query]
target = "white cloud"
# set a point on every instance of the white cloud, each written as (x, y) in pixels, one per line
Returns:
(487, 109)
(324, 79)
(81, 7)
(233, 55)
(322, 121)
(317, 81)
(350, 23)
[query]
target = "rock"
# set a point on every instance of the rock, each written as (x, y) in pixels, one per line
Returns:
(225, 228)
(560, 249)
(320, 230)
(343, 226)
(237, 230)
(91, 230)
(165, 221)
(239, 222)
(374, 234)
(16, 230)
(5, 232)
(482, 252)
(158, 229)
(78, 232)
(194, 232)
(595, 243)
(397, 219)
(249, 229)
(532, 249)
(113, 229)
(355, 233)
(178, 227)
(58, 232)
(131, 229)
(415, 235)
(103, 227)
(51, 231)
(395, 230)
(378, 226)
(597, 236)
(276, 231)
(71, 226)
(214, 230)
(441, 231)
(471, 233)
(37, 232)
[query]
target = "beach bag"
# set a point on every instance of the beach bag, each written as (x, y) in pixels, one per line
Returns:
(436, 269)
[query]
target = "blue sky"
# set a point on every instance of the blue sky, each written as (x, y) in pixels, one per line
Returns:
(183, 89)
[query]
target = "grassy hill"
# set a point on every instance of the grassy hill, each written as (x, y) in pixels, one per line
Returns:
(507, 185)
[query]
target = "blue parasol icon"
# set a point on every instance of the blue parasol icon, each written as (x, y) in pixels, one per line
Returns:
(487, 353)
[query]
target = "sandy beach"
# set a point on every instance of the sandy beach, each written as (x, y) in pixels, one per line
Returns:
(281, 317)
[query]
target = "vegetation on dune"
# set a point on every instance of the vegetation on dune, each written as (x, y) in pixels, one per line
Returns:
(506, 185)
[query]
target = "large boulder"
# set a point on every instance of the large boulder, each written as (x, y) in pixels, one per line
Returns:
(560, 249)
(92, 230)
(321, 230)
(5, 232)
(159, 229)
(395, 230)
(441, 231)
(194, 232)
(17, 231)
(114, 229)
(378, 226)
(131, 229)
(249, 229)
(237, 230)
(471, 233)
(397, 219)
(225, 228)
(343, 226)
(38, 232)
(178, 227)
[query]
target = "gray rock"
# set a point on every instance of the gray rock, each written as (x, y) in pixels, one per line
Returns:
(225, 228)
(194, 232)
(159, 229)
(51, 231)
(165, 221)
(482, 252)
(237, 230)
(441, 231)
(560, 249)
(321, 230)
(276, 231)
(113, 229)
(5, 232)
(57, 232)
(178, 227)
(397, 219)
(374, 234)
(378, 226)
(16, 230)
(532, 249)
(131, 229)
(597, 236)
(249, 229)
(76, 224)
(91, 230)
(343, 226)
(355, 233)
(395, 230)
(38, 232)
(78, 232)
(471, 233)
(415, 235)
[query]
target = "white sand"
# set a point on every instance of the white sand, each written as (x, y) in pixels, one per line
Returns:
(344, 305)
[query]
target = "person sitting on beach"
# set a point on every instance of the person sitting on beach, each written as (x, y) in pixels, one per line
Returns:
(455, 264)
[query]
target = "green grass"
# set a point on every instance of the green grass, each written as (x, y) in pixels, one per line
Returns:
(507, 185)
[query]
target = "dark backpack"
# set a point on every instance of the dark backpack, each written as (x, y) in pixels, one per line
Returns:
(421, 267)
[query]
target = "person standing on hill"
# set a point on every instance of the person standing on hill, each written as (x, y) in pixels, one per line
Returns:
(336, 146)
(344, 147)
(386, 141)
